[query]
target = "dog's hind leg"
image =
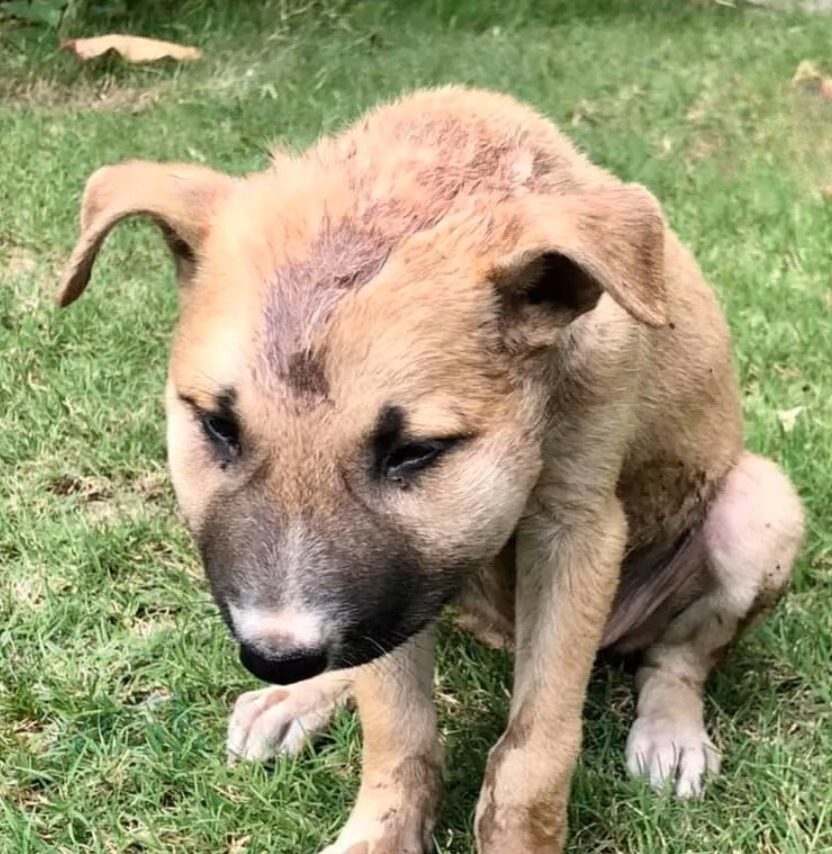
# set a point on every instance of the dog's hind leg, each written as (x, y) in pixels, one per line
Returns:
(752, 534)
(277, 720)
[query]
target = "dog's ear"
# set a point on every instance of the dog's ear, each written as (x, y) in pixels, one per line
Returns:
(573, 248)
(179, 198)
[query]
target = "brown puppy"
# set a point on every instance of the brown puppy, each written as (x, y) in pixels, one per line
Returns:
(443, 358)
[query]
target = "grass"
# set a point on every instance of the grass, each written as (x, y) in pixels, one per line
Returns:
(115, 674)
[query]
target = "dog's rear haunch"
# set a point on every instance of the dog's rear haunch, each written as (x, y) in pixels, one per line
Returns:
(442, 358)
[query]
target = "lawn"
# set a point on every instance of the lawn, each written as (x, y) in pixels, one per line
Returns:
(116, 674)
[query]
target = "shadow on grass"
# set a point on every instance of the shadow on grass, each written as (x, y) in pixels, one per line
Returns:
(473, 694)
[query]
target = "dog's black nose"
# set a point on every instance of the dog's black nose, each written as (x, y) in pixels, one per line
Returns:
(283, 668)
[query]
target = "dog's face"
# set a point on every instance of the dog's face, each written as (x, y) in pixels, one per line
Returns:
(341, 487)
(355, 409)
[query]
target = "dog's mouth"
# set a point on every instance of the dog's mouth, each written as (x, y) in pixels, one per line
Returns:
(286, 669)
(356, 649)
(355, 646)
(363, 625)
(369, 640)
(364, 647)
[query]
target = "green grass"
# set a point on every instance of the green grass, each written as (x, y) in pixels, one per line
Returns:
(115, 673)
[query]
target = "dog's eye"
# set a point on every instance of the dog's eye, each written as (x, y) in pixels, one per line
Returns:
(222, 431)
(414, 457)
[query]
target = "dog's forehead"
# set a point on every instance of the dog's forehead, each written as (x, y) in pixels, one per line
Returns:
(300, 295)
(351, 270)
(294, 247)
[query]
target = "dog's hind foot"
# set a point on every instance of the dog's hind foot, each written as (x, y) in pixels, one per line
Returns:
(750, 537)
(668, 751)
(277, 720)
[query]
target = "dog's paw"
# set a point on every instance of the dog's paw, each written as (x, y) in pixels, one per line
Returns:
(668, 751)
(383, 835)
(358, 848)
(395, 812)
(275, 720)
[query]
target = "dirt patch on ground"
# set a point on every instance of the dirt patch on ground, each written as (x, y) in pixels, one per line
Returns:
(106, 501)
(30, 276)
(19, 262)
(87, 489)
(105, 94)
(152, 485)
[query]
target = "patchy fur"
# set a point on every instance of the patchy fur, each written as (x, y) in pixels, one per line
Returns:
(441, 357)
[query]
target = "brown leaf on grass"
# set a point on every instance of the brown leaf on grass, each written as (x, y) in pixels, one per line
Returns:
(788, 418)
(811, 79)
(132, 48)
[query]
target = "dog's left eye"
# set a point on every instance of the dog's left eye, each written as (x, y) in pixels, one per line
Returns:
(414, 457)
(222, 431)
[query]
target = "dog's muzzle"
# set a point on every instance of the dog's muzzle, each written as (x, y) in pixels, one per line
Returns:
(284, 668)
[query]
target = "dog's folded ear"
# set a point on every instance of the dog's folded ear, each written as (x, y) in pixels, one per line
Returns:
(179, 198)
(574, 247)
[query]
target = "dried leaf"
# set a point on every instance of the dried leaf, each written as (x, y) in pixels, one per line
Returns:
(806, 70)
(810, 78)
(239, 845)
(132, 48)
(788, 418)
(584, 111)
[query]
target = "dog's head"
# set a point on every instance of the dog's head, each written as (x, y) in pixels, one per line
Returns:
(355, 398)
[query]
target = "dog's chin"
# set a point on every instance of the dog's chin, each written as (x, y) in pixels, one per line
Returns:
(364, 647)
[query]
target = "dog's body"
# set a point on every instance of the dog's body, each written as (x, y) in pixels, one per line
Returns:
(443, 358)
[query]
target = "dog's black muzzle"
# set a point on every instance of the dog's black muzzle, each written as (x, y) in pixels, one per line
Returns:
(284, 668)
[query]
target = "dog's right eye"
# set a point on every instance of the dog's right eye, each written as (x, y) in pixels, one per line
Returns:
(222, 432)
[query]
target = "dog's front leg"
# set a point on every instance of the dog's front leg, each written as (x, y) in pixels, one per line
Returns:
(401, 781)
(567, 572)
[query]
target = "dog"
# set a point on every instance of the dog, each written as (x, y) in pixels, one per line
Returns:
(443, 359)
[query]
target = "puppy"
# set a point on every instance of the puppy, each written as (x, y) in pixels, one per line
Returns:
(442, 358)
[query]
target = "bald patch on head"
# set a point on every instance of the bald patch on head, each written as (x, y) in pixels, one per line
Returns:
(381, 210)
(302, 295)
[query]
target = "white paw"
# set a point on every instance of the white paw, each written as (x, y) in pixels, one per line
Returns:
(278, 720)
(666, 750)
(354, 840)
(376, 837)
(391, 823)
(357, 848)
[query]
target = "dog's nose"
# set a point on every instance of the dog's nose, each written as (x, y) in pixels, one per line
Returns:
(280, 646)
(285, 667)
